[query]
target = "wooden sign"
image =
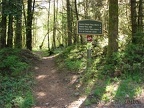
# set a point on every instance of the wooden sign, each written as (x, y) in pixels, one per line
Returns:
(89, 27)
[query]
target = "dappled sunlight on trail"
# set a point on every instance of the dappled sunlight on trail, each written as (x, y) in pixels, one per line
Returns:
(50, 57)
(77, 103)
(41, 77)
(53, 88)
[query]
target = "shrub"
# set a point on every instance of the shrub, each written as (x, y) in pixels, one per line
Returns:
(15, 61)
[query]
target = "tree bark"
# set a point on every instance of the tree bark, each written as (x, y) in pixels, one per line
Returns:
(69, 23)
(30, 11)
(48, 26)
(54, 27)
(10, 24)
(10, 31)
(18, 38)
(113, 27)
(3, 25)
(76, 10)
(133, 20)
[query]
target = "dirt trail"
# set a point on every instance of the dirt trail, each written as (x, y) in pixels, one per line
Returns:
(54, 88)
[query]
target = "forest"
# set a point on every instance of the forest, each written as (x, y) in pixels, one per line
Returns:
(108, 68)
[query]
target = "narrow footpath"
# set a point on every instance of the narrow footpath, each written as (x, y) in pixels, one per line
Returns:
(54, 88)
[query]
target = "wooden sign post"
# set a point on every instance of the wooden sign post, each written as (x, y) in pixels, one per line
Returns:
(89, 28)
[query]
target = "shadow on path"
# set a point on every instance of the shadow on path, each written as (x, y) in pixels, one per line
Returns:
(54, 88)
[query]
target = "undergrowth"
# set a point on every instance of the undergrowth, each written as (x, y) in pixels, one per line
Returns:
(73, 58)
(15, 79)
(116, 79)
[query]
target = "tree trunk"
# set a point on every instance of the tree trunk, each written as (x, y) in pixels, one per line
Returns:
(69, 23)
(140, 17)
(54, 27)
(64, 26)
(18, 38)
(86, 6)
(10, 31)
(113, 27)
(77, 17)
(48, 26)
(133, 20)
(3, 25)
(137, 21)
(10, 24)
(30, 11)
(76, 10)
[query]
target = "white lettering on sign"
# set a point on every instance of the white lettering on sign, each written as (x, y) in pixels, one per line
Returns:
(89, 27)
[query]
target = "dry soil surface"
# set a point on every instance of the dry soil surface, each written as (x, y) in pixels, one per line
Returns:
(54, 88)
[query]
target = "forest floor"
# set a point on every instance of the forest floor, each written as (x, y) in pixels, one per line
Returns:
(56, 88)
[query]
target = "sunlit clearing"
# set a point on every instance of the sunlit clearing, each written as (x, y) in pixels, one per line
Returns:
(40, 77)
(77, 103)
(41, 94)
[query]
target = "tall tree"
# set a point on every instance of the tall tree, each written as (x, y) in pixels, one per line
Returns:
(3, 24)
(18, 32)
(54, 26)
(10, 24)
(64, 24)
(69, 23)
(133, 19)
(48, 25)
(113, 27)
(30, 10)
(76, 10)
(137, 21)
(140, 16)
(86, 10)
(76, 38)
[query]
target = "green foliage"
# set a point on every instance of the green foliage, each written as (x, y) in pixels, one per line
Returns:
(28, 101)
(15, 61)
(139, 38)
(15, 81)
(130, 60)
(73, 65)
(127, 90)
(12, 65)
(73, 58)
(16, 92)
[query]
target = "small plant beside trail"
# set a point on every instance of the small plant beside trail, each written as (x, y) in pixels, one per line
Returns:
(73, 58)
